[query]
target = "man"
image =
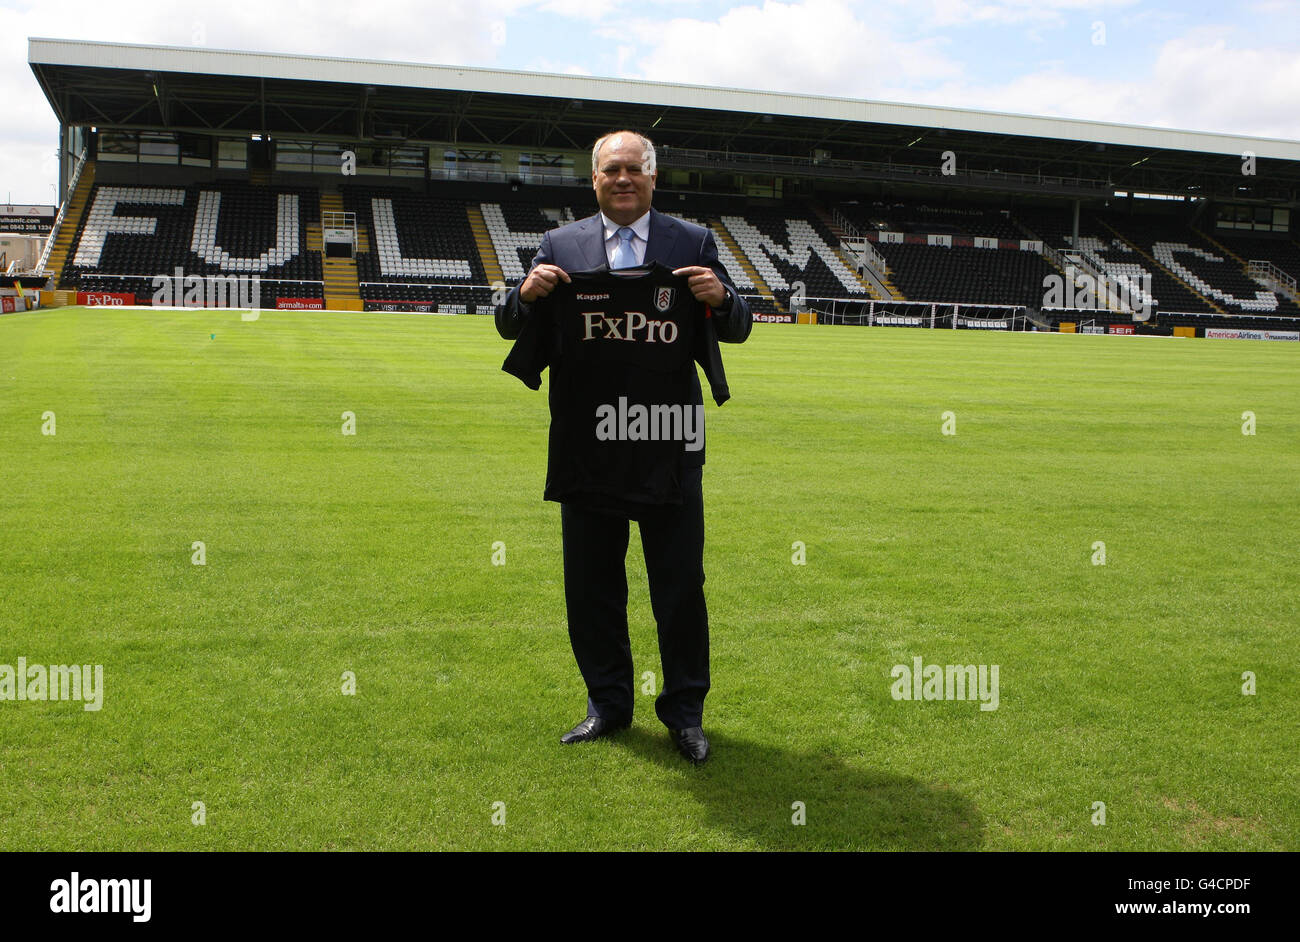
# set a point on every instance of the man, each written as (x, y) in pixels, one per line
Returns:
(626, 233)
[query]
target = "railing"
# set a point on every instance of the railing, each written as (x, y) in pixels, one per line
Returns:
(863, 250)
(169, 282)
(933, 314)
(534, 177)
(865, 254)
(1072, 264)
(1076, 260)
(1283, 320)
(336, 219)
(732, 159)
(683, 157)
(171, 276)
(63, 208)
(334, 222)
(425, 284)
(1266, 273)
(845, 223)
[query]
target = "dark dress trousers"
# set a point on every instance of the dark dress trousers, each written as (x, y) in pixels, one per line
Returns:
(672, 537)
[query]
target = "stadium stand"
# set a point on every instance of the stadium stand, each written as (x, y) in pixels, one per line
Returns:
(423, 253)
(1102, 247)
(1189, 257)
(1281, 251)
(979, 258)
(415, 238)
(965, 274)
(131, 235)
(516, 228)
(786, 246)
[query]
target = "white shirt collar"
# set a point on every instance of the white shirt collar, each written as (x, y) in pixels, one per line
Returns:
(641, 227)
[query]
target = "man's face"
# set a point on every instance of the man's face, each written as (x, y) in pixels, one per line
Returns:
(623, 188)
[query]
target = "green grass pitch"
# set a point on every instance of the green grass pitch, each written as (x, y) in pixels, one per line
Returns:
(372, 553)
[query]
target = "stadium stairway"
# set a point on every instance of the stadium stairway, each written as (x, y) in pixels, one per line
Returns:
(342, 289)
(1140, 251)
(486, 253)
(852, 263)
(759, 284)
(1055, 253)
(71, 220)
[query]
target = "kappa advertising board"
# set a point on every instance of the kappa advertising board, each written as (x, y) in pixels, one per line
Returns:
(773, 318)
(1217, 333)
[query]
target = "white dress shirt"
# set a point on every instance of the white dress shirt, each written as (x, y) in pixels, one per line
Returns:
(640, 236)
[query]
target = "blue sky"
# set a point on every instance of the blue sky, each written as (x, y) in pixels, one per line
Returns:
(1231, 67)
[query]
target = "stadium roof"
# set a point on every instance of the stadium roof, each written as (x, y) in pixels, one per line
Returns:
(225, 91)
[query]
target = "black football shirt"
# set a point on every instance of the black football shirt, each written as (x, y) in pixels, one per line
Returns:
(626, 417)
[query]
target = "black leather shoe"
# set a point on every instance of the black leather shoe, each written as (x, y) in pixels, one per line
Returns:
(692, 743)
(593, 727)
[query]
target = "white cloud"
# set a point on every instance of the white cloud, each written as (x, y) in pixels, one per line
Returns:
(814, 47)
(948, 13)
(1200, 82)
(1197, 82)
(591, 10)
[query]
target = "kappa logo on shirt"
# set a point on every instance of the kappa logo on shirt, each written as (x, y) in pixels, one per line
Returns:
(633, 325)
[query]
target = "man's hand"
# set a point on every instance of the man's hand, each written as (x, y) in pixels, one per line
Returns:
(705, 284)
(541, 281)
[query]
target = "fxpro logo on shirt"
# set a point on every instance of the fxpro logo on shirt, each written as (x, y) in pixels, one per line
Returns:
(632, 325)
(651, 423)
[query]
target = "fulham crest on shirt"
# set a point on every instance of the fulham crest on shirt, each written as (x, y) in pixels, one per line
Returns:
(626, 414)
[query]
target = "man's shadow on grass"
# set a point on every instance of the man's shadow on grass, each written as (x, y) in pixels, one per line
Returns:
(749, 789)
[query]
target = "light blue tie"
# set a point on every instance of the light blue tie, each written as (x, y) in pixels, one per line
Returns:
(624, 257)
